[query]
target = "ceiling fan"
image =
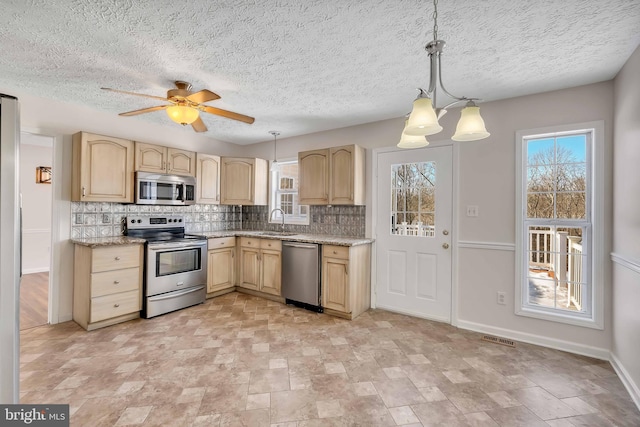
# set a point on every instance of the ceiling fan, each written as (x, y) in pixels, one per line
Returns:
(185, 106)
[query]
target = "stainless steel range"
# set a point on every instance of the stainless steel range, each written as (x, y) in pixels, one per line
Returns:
(175, 263)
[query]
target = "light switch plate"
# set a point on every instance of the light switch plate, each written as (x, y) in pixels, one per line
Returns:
(472, 210)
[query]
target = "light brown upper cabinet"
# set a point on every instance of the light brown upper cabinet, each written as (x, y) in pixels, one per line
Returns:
(208, 179)
(243, 181)
(333, 176)
(102, 169)
(159, 159)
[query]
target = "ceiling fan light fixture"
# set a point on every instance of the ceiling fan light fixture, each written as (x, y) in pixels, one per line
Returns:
(183, 114)
(470, 126)
(422, 120)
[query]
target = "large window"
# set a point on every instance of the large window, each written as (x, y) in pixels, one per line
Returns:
(555, 251)
(284, 194)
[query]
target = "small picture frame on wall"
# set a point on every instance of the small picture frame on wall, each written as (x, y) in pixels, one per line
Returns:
(43, 175)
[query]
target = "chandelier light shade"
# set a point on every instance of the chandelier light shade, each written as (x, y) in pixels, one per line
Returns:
(470, 126)
(412, 141)
(183, 114)
(423, 119)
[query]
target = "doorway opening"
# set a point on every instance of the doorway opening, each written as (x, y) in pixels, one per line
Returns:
(36, 177)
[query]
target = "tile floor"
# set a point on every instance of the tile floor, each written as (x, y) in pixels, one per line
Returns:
(241, 360)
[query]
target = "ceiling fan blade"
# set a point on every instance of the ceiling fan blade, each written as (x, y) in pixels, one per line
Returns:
(133, 93)
(228, 114)
(203, 96)
(144, 110)
(199, 125)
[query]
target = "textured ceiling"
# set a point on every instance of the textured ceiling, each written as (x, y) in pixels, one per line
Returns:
(305, 66)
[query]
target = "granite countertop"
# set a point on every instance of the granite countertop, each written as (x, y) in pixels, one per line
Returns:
(93, 242)
(306, 238)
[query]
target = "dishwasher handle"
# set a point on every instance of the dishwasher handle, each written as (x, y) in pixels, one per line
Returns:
(300, 245)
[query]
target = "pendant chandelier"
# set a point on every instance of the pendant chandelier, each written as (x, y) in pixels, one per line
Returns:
(274, 164)
(423, 119)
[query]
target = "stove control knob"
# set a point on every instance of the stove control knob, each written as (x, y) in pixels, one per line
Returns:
(139, 221)
(132, 221)
(180, 220)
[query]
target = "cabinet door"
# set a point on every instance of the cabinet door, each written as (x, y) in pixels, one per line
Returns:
(250, 268)
(102, 169)
(342, 175)
(271, 272)
(208, 179)
(237, 181)
(335, 284)
(220, 269)
(181, 162)
(151, 158)
(313, 172)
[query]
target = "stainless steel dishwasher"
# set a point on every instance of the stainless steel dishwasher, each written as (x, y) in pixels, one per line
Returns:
(301, 275)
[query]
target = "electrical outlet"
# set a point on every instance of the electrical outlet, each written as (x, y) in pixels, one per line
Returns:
(472, 210)
(502, 298)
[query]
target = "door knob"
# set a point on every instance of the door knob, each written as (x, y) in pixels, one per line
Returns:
(445, 232)
(445, 245)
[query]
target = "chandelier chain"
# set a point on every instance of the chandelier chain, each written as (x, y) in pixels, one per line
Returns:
(435, 19)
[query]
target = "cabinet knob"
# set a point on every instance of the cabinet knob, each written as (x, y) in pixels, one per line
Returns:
(269, 244)
(116, 282)
(445, 245)
(117, 258)
(335, 252)
(116, 305)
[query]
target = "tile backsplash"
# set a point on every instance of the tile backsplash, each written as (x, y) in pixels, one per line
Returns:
(94, 219)
(345, 221)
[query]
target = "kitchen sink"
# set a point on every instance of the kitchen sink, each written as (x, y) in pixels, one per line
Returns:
(276, 233)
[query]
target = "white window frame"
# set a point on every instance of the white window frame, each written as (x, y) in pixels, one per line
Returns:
(595, 205)
(274, 184)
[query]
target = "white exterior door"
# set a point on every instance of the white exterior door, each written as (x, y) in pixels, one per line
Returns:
(413, 232)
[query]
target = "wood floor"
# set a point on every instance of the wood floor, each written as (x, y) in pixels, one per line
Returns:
(34, 300)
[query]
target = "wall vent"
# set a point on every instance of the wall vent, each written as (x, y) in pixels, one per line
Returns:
(498, 340)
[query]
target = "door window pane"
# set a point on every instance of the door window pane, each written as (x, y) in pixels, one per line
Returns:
(413, 199)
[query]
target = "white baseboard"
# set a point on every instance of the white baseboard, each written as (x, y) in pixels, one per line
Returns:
(626, 379)
(65, 318)
(571, 347)
(35, 270)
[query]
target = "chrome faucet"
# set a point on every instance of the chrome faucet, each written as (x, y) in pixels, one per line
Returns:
(282, 212)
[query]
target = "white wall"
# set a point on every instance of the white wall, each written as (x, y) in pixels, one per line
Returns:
(626, 225)
(486, 174)
(36, 206)
(61, 120)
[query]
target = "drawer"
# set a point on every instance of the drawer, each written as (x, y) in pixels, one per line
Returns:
(112, 282)
(221, 242)
(115, 258)
(108, 306)
(274, 245)
(330, 251)
(250, 242)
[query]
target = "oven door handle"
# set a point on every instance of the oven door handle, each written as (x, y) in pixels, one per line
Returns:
(161, 246)
(175, 293)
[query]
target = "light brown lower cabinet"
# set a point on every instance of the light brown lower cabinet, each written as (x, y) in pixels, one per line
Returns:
(221, 264)
(107, 284)
(346, 280)
(261, 265)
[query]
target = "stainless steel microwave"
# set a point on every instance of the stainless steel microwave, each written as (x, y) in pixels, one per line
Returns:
(162, 189)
